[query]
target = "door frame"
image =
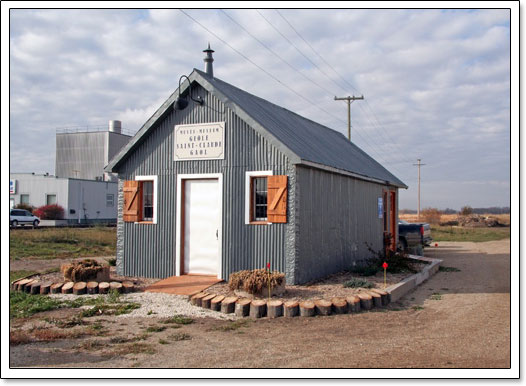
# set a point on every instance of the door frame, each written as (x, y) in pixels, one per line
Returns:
(179, 227)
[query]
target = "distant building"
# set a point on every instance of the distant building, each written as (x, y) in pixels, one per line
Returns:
(84, 201)
(83, 154)
(87, 193)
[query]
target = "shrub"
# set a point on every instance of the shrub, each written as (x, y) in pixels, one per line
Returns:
(431, 215)
(255, 280)
(466, 210)
(84, 270)
(50, 212)
(25, 206)
(112, 262)
(396, 261)
(358, 283)
(364, 269)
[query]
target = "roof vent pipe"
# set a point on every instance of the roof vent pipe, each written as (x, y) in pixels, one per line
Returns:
(209, 69)
(115, 126)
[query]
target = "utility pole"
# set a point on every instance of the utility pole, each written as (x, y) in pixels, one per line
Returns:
(418, 164)
(349, 100)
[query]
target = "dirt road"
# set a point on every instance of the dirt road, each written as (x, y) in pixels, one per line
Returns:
(455, 319)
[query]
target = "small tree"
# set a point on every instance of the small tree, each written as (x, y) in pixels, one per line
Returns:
(431, 215)
(466, 210)
(25, 206)
(50, 212)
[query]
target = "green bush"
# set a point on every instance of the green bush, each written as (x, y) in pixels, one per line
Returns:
(364, 270)
(356, 282)
(25, 206)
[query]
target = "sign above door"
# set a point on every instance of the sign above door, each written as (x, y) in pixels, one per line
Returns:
(199, 141)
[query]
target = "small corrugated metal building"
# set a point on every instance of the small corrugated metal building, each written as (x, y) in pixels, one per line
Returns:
(233, 181)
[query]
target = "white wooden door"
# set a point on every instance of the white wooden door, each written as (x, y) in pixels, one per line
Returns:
(202, 219)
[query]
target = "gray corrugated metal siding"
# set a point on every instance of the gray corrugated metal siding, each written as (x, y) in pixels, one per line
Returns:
(149, 250)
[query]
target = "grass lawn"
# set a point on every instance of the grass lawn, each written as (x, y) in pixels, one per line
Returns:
(56, 243)
(449, 233)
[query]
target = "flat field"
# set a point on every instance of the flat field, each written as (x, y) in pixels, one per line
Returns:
(61, 243)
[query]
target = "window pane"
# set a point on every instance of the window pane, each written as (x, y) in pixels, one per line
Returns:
(147, 200)
(51, 199)
(24, 198)
(259, 199)
(109, 200)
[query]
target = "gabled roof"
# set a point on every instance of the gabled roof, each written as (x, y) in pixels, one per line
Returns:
(302, 140)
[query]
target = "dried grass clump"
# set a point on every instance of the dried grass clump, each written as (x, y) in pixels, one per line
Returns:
(81, 271)
(255, 280)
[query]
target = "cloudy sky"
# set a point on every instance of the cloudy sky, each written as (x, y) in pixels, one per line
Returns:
(436, 82)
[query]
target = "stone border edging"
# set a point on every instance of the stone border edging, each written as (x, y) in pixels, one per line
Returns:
(398, 290)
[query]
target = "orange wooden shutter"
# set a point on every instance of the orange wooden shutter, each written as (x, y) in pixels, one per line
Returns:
(130, 212)
(277, 199)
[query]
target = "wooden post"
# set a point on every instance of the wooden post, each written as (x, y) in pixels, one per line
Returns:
(128, 287)
(21, 283)
(27, 286)
(205, 302)
(55, 288)
(242, 307)
(275, 308)
(385, 296)
(291, 309)
(354, 303)
(307, 308)
(104, 287)
(339, 306)
(366, 301)
(228, 304)
(215, 303)
(323, 307)
(196, 300)
(68, 287)
(45, 287)
(35, 288)
(258, 308)
(115, 285)
(377, 298)
(79, 288)
(92, 287)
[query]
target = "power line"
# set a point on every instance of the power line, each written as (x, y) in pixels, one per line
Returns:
(279, 81)
(290, 65)
(337, 73)
(255, 64)
(301, 52)
(275, 53)
(316, 52)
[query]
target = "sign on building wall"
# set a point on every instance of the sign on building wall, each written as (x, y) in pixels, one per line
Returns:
(12, 186)
(199, 141)
(380, 207)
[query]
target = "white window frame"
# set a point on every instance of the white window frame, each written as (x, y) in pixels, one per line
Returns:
(179, 220)
(248, 176)
(155, 195)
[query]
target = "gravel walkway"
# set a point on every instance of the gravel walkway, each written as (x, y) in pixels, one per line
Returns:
(158, 305)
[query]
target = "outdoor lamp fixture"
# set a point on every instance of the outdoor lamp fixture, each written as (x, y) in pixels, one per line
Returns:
(181, 102)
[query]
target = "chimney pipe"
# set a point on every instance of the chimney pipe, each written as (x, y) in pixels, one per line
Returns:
(114, 126)
(209, 69)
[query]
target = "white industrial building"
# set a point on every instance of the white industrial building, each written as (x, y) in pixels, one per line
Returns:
(87, 193)
(84, 201)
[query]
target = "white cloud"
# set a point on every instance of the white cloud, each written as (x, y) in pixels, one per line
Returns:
(438, 81)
